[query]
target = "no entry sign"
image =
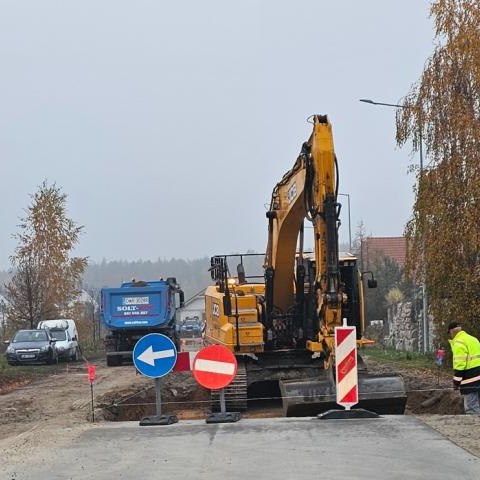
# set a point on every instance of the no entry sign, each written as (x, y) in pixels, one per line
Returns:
(214, 367)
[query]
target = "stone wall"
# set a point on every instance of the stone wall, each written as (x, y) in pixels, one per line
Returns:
(404, 328)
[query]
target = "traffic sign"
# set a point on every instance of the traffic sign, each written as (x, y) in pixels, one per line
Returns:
(214, 367)
(346, 365)
(185, 361)
(154, 355)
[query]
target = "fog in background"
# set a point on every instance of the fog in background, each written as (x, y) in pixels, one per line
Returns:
(168, 124)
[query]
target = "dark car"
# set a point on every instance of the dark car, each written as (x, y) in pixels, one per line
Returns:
(190, 327)
(32, 346)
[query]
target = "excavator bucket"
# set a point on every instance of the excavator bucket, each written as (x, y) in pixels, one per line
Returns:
(382, 394)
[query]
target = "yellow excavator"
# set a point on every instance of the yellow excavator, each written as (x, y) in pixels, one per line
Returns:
(280, 324)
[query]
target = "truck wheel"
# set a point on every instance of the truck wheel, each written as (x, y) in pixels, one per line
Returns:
(114, 360)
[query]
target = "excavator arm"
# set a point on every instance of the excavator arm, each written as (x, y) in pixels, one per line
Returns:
(308, 191)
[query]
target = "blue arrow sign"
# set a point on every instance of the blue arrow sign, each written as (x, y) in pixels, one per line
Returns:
(154, 355)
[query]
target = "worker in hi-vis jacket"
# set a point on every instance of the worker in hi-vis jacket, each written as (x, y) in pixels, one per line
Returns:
(466, 366)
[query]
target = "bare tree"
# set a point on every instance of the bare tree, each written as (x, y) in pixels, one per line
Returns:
(360, 235)
(24, 295)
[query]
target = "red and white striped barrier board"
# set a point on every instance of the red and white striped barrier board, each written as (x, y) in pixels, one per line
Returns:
(214, 367)
(346, 365)
(184, 361)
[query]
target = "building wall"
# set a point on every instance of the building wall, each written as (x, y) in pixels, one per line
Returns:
(195, 307)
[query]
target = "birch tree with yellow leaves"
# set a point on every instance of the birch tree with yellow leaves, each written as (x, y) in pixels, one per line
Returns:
(46, 278)
(443, 111)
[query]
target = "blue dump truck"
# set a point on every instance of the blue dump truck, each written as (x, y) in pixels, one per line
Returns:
(136, 309)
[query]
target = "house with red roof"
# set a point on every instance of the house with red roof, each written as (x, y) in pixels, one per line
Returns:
(393, 247)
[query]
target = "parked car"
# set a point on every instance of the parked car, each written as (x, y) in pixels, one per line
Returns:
(32, 346)
(65, 333)
(190, 327)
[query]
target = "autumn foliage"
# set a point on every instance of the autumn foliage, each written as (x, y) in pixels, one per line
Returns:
(442, 111)
(46, 279)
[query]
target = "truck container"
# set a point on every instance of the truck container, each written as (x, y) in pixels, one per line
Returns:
(136, 309)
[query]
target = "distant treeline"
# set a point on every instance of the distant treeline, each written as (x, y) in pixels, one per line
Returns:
(192, 275)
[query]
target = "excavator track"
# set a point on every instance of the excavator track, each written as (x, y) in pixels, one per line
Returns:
(235, 393)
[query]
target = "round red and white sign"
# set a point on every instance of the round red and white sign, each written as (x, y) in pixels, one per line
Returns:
(214, 367)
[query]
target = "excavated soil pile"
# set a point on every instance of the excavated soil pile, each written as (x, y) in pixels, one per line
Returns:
(428, 391)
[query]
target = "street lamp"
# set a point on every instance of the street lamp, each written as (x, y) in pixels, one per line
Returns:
(426, 333)
(349, 220)
(412, 107)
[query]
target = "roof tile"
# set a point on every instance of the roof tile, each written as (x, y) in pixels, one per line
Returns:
(393, 247)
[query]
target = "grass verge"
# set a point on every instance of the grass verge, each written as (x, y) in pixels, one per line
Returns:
(10, 375)
(406, 359)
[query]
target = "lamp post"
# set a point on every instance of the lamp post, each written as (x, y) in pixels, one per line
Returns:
(420, 150)
(349, 221)
(426, 333)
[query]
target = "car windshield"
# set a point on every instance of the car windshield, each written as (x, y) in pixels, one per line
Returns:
(59, 334)
(31, 336)
(191, 321)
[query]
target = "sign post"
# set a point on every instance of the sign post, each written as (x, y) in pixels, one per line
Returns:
(155, 356)
(91, 372)
(439, 362)
(214, 368)
(346, 375)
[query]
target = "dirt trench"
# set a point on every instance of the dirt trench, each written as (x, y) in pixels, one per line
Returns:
(428, 393)
(181, 396)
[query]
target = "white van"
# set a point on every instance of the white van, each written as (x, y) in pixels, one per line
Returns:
(65, 332)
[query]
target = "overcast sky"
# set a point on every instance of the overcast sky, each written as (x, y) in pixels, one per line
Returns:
(168, 124)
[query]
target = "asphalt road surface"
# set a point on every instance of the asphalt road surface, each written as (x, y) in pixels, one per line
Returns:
(392, 447)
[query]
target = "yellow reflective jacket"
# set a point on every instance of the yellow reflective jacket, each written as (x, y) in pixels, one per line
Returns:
(466, 362)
